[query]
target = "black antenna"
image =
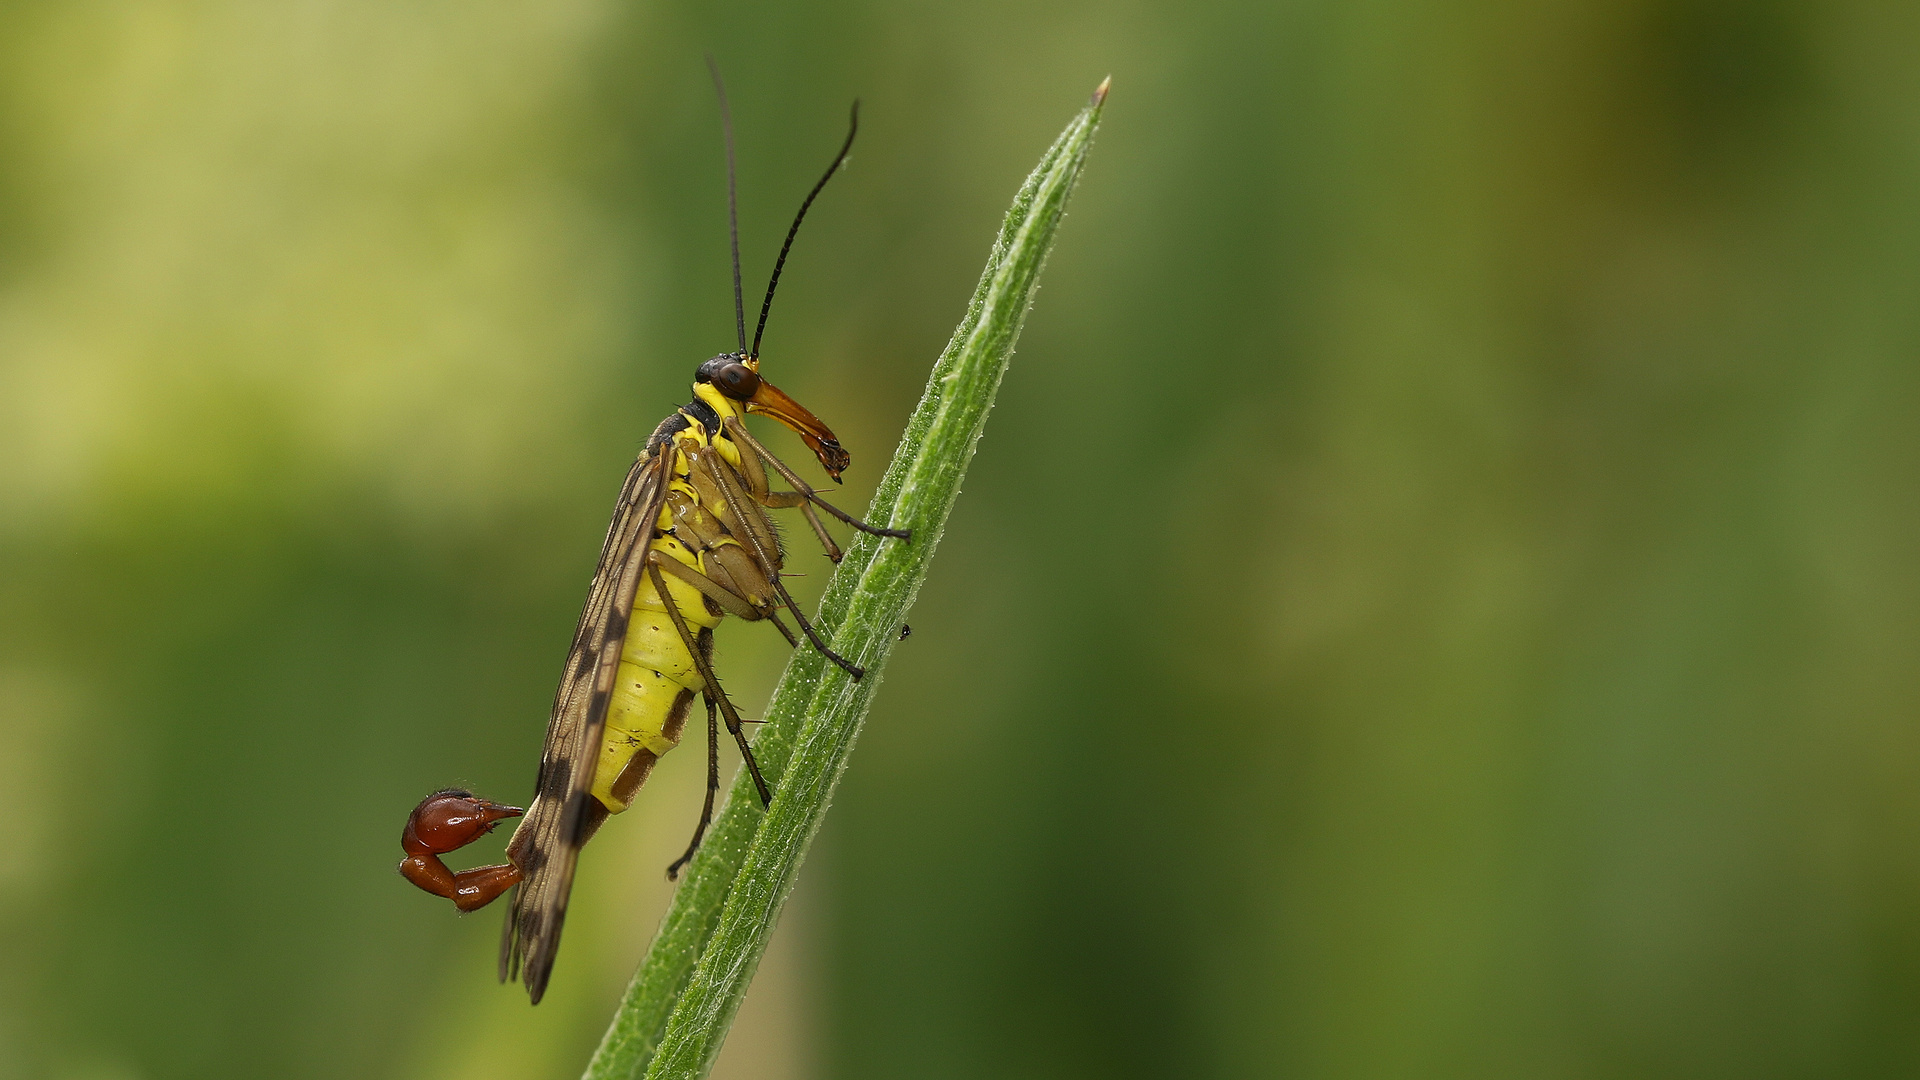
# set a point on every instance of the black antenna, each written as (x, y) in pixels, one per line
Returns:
(733, 210)
(853, 128)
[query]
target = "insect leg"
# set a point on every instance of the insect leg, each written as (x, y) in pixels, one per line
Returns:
(714, 693)
(739, 432)
(755, 478)
(750, 470)
(730, 602)
(813, 635)
(769, 563)
(735, 562)
(713, 785)
(834, 553)
(754, 528)
(787, 500)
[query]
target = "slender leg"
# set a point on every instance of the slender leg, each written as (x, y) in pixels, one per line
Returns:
(713, 785)
(714, 692)
(813, 635)
(834, 553)
(787, 500)
(750, 470)
(766, 562)
(755, 530)
(739, 432)
(756, 480)
(731, 602)
(769, 563)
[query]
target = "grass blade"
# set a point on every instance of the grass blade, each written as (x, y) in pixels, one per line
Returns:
(677, 1011)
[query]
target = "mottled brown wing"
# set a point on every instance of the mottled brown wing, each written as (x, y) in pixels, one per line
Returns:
(546, 846)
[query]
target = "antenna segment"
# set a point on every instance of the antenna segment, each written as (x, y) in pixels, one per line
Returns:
(853, 128)
(733, 211)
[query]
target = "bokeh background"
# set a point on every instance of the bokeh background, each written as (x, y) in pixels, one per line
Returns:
(1438, 597)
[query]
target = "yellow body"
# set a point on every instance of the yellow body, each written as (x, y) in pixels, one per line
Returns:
(656, 669)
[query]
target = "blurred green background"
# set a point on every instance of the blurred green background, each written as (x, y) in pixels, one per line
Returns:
(1438, 597)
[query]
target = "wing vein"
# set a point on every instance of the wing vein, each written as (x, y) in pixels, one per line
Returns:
(546, 846)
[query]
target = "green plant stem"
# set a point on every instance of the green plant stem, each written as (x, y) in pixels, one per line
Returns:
(683, 999)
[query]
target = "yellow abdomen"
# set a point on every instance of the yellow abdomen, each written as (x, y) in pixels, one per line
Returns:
(657, 677)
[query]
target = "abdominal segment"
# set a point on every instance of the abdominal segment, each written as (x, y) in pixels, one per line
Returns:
(655, 684)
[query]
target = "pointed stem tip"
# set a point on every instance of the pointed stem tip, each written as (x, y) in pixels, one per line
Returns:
(1100, 92)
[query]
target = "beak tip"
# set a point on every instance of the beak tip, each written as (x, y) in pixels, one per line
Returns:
(772, 401)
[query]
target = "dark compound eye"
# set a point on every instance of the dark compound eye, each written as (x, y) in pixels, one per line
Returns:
(734, 378)
(737, 381)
